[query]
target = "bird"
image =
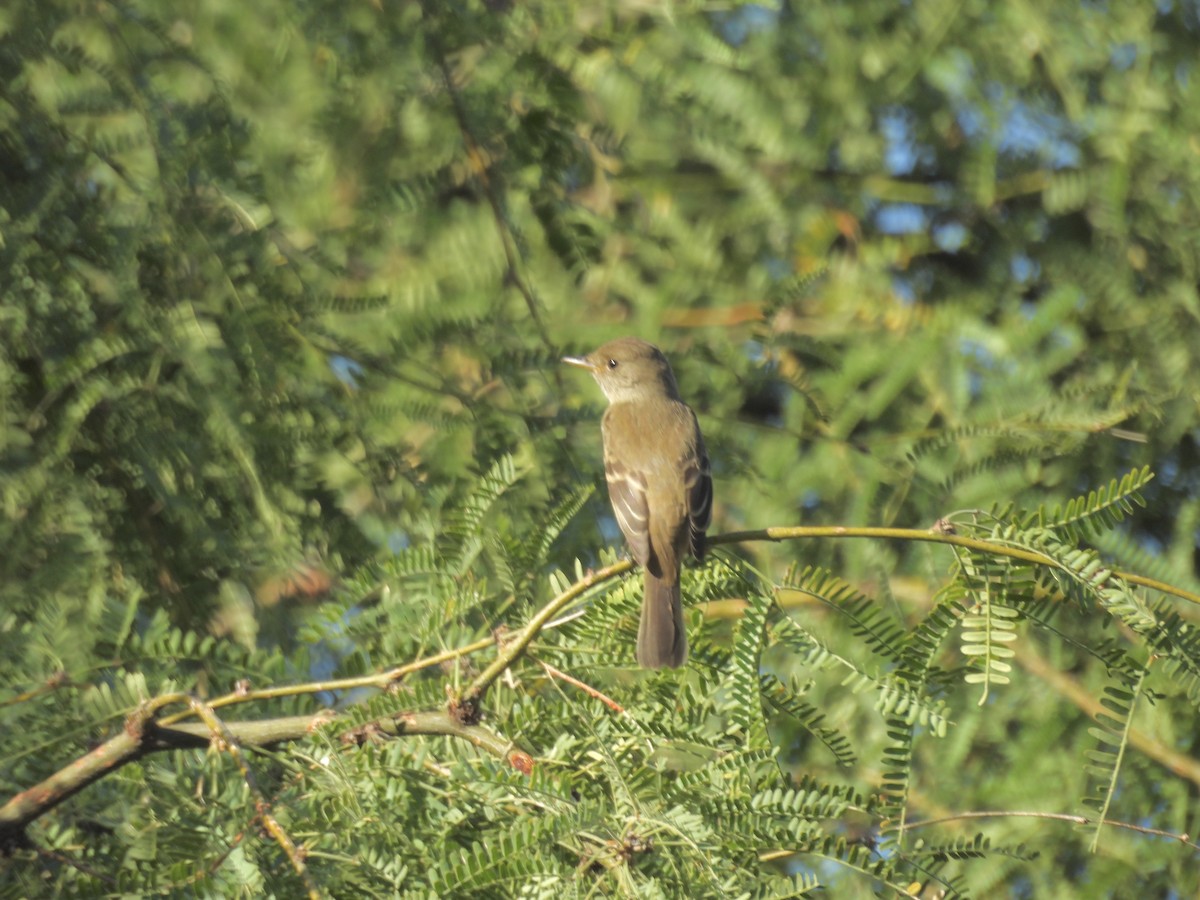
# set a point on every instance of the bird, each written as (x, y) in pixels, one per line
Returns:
(659, 483)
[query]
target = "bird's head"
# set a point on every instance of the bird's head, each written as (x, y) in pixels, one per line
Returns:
(628, 369)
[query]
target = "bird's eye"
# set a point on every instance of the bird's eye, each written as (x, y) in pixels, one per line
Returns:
(612, 363)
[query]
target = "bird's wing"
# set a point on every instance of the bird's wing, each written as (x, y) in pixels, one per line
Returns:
(627, 493)
(697, 480)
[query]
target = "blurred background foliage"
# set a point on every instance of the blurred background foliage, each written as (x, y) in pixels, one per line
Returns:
(285, 286)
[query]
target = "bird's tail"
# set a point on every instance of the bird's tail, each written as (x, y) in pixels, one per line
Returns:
(662, 640)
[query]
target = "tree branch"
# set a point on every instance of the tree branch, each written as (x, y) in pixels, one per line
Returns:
(934, 537)
(220, 732)
(1184, 839)
(480, 166)
(142, 736)
(145, 733)
(515, 647)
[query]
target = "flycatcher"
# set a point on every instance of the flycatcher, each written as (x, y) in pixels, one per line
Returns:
(659, 482)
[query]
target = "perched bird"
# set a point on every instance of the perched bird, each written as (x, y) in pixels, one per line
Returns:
(659, 482)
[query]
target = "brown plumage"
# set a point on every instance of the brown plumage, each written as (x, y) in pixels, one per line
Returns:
(659, 483)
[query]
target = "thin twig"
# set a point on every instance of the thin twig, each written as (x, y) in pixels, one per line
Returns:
(586, 688)
(228, 743)
(1184, 838)
(934, 537)
(380, 680)
(479, 166)
(516, 646)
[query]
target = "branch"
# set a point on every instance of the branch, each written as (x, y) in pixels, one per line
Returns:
(142, 736)
(1184, 838)
(586, 688)
(934, 537)
(517, 646)
(144, 733)
(479, 164)
(445, 723)
(1178, 763)
(380, 680)
(220, 732)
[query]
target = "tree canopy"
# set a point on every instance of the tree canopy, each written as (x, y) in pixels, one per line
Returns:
(309, 583)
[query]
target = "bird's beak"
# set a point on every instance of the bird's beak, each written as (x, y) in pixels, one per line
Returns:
(579, 362)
